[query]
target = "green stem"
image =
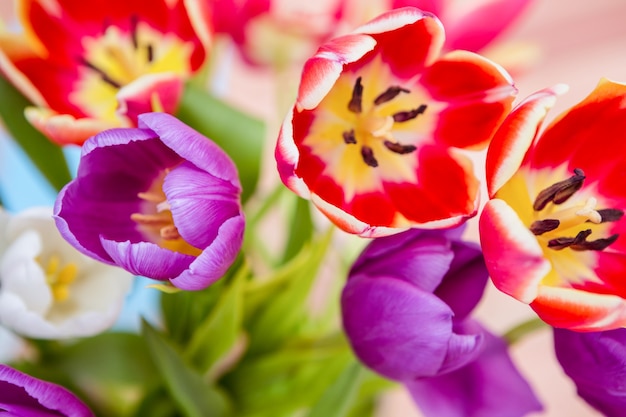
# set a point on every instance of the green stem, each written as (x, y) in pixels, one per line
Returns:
(517, 333)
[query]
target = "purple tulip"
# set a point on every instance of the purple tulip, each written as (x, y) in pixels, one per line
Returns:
(596, 362)
(405, 311)
(489, 386)
(21, 395)
(160, 201)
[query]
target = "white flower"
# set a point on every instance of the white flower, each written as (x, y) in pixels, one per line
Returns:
(48, 290)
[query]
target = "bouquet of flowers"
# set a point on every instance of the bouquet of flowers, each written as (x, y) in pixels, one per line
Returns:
(199, 260)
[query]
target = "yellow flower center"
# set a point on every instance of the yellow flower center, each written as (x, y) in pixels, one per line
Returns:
(59, 277)
(117, 58)
(157, 223)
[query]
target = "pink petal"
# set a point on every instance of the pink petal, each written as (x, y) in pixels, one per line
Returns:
(515, 136)
(477, 27)
(513, 256)
(579, 310)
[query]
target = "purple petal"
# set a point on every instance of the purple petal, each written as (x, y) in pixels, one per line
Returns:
(464, 284)
(214, 260)
(491, 386)
(116, 165)
(596, 362)
(394, 327)
(466, 343)
(25, 396)
(147, 259)
(200, 203)
(191, 145)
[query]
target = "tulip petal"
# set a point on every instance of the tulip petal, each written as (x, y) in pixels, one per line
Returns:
(191, 145)
(147, 259)
(579, 310)
(140, 96)
(23, 395)
(490, 386)
(595, 362)
(215, 259)
(380, 316)
(512, 254)
(515, 136)
(322, 70)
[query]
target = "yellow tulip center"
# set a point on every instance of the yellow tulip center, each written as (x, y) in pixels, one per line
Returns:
(59, 277)
(119, 57)
(370, 127)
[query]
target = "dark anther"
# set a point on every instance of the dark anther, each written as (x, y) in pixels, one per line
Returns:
(399, 148)
(542, 226)
(404, 116)
(368, 156)
(610, 215)
(150, 51)
(348, 136)
(357, 97)
(566, 242)
(105, 77)
(598, 244)
(580, 242)
(133, 30)
(390, 94)
(559, 192)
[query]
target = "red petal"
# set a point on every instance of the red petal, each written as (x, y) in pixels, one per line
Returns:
(589, 135)
(579, 310)
(403, 30)
(322, 70)
(515, 136)
(462, 76)
(446, 188)
(64, 129)
(513, 256)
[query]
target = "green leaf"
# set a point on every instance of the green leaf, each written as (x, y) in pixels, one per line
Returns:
(300, 228)
(285, 380)
(284, 312)
(219, 332)
(341, 395)
(47, 157)
(238, 134)
(195, 397)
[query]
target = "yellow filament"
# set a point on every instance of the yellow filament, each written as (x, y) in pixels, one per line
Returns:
(60, 277)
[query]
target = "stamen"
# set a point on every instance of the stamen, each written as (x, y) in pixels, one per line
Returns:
(390, 94)
(561, 191)
(133, 31)
(610, 215)
(405, 116)
(150, 51)
(169, 232)
(566, 242)
(540, 227)
(399, 148)
(368, 156)
(580, 243)
(152, 219)
(598, 244)
(355, 105)
(105, 77)
(151, 197)
(349, 136)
